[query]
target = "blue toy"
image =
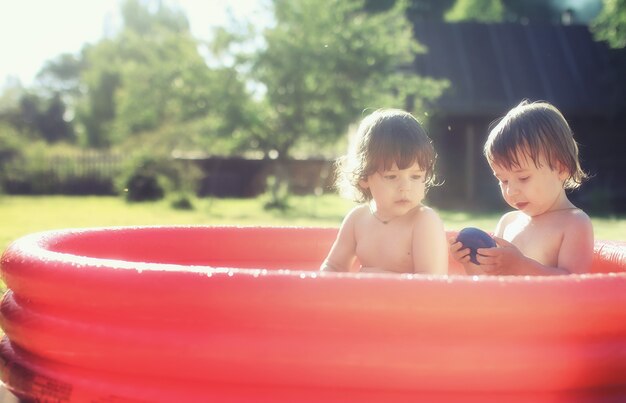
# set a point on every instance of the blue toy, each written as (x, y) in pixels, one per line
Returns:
(474, 238)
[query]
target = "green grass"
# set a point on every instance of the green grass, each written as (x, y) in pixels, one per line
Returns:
(21, 215)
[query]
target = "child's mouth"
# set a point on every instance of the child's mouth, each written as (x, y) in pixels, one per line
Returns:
(521, 206)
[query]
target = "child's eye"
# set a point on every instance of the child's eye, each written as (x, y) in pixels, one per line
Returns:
(416, 177)
(524, 179)
(389, 177)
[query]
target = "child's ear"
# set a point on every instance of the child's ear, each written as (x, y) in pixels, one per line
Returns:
(364, 184)
(563, 172)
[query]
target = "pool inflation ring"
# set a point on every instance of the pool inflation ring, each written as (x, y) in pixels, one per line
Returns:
(243, 314)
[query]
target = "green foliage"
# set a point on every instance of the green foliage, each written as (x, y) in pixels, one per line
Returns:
(150, 78)
(39, 168)
(149, 176)
(146, 178)
(10, 150)
(182, 201)
(10, 144)
(145, 17)
(96, 112)
(36, 116)
(61, 75)
(52, 124)
(610, 25)
(476, 10)
(144, 185)
(322, 66)
(28, 171)
(277, 195)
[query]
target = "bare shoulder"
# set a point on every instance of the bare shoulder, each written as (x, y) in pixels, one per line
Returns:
(354, 217)
(505, 221)
(357, 213)
(576, 220)
(508, 218)
(579, 214)
(426, 217)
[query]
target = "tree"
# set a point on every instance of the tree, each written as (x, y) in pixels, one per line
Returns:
(52, 124)
(28, 117)
(145, 17)
(610, 25)
(476, 10)
(100, 79)
(323, 66)
(33, 116)
(150, 80)
(61, 75)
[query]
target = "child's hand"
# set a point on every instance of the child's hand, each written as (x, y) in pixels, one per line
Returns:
(457, 251)
(501, 260)
(462, 255)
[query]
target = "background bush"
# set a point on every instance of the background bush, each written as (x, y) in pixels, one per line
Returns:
(148, 177)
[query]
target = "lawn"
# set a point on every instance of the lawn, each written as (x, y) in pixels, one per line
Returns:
(21, 215)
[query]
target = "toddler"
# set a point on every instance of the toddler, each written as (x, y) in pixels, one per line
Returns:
(534, 157)
(388, 169)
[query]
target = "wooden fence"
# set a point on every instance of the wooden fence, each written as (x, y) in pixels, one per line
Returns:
(80, 173)
(94, 172)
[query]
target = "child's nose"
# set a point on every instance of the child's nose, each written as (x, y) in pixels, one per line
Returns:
(511, 190)
(405, 184)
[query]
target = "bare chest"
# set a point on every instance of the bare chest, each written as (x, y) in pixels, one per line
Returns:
(388, 247)
(540, 241)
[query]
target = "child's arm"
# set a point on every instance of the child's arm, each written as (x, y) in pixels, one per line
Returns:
(574, 256)
(430, 248)
(576, 253)
(343, 251)
(508, 259)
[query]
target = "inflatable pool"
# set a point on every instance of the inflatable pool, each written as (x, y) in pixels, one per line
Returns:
(242, 314)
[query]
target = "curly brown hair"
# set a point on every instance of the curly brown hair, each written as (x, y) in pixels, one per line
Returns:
(385, 137)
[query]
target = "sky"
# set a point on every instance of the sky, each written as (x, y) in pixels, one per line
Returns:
(34, 31)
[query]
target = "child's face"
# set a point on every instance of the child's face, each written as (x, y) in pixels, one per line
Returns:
(396, 191)
(530, 189)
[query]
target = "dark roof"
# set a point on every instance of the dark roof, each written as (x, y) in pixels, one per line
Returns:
(492, 67)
